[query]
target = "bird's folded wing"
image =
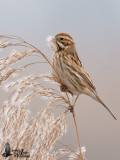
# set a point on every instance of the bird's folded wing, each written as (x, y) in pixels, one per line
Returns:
(86, 78)
(74, 63)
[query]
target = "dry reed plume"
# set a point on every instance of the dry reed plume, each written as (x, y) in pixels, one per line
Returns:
(39, 134)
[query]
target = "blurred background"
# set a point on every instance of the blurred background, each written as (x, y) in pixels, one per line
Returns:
(95, 27)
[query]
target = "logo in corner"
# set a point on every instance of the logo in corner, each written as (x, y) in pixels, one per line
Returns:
(7, 150)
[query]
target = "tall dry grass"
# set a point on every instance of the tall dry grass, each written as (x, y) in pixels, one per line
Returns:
(39, 135)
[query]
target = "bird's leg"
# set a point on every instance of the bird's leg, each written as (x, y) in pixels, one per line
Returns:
(71, 108)
(75, 100)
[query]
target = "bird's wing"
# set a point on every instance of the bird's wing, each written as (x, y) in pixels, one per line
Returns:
(76, 67)
(86, 78)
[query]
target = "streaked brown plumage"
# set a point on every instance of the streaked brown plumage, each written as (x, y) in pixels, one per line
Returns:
(70, 70)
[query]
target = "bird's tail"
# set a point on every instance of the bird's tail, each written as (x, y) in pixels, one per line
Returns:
(100, 101)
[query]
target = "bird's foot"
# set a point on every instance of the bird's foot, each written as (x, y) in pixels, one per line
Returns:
(71, 109)
(63, 88)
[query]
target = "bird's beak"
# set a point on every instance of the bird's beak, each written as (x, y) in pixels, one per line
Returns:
(53, 45)
(53, 40)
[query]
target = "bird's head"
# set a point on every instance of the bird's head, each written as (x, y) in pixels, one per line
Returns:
(63, 41)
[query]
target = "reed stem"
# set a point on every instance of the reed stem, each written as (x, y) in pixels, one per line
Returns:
(73, 113)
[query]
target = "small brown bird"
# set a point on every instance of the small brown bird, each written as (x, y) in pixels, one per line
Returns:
(70, 70)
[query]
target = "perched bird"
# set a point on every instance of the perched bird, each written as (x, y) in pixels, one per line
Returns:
(69, 68)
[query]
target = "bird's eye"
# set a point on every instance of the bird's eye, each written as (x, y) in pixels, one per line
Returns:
(61, 38)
